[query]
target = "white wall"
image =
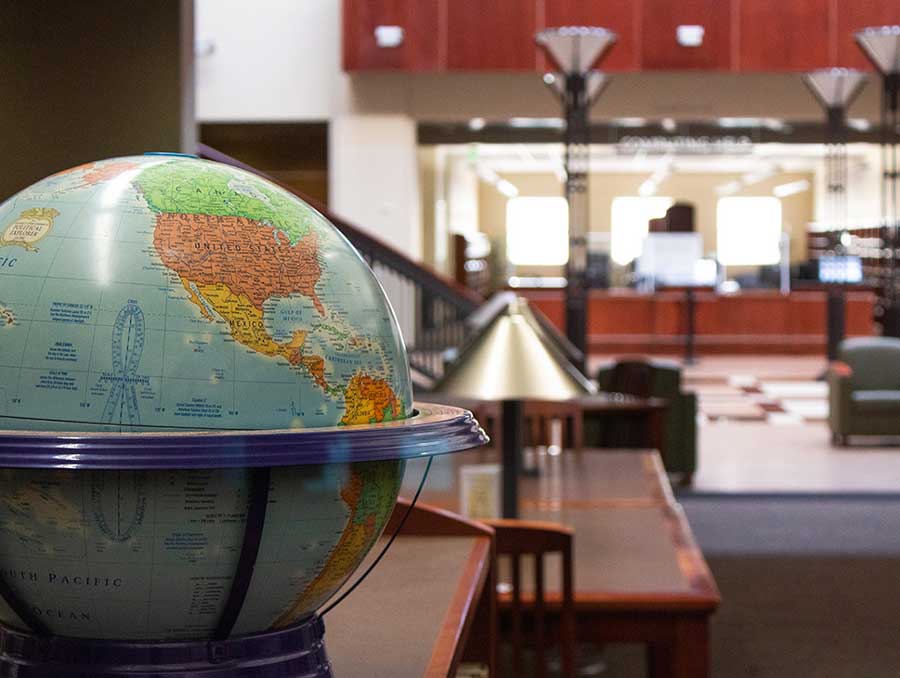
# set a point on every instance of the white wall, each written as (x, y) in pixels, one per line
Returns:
(377, 186)
(270, 59)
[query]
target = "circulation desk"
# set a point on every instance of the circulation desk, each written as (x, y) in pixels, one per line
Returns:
(754, 321)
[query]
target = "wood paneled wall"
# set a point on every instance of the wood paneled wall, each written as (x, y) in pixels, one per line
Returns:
(739, 35)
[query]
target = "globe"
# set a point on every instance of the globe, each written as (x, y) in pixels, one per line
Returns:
(164, 294)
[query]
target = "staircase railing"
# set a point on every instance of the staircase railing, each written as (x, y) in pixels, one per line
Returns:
(430, 308)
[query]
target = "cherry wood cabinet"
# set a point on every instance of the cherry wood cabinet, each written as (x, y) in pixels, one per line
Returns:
(621, 16)
(498, 35)
(785, 35)
(660, 48)
(420, 21)
(495, 35)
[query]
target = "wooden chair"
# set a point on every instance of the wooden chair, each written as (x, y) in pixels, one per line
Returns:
(430, 521)
(539, 415)
(633, 377)
(516, 539)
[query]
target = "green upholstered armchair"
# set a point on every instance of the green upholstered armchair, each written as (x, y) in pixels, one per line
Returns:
(662, 379)
(864, 389)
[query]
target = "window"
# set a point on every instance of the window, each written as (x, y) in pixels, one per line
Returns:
(537, 231)
(629, 224)
(748, 231)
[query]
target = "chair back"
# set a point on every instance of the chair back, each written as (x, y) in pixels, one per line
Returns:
(633, 377)
(424, 520)
(517, 540)
(875, 362)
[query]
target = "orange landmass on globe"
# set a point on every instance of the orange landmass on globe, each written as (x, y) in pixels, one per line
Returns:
(96, 173)
(369, 493)
(233, 265)
(250, 258)
(245, 322)
(102, 173)
(369, 400)
(78, 168)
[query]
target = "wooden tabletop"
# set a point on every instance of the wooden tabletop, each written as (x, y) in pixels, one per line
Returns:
(633, 546)
(633, 558)
(586, 478)
(406, 618)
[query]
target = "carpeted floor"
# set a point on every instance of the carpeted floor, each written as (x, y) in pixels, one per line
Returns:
(810, 586)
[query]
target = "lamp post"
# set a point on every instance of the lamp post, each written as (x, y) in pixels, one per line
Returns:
(881, 44)
(575, 50)
(835, 89)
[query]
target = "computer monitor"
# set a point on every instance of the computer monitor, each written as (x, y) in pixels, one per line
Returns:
(844, 270)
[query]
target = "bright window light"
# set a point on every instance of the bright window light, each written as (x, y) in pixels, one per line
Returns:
(748, 231)
(537, 231)
(629, 224)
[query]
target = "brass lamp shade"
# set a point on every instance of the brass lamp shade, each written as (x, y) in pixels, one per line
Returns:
(513, 358)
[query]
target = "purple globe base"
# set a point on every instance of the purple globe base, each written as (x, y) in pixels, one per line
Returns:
(294, 652)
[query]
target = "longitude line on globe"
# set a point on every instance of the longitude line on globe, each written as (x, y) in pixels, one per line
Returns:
(243, 574)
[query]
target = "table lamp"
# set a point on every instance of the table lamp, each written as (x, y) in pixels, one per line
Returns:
(513, 359)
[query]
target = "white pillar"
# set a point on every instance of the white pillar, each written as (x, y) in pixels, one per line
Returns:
(373, 180)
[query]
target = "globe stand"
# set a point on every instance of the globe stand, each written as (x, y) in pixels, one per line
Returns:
(294, 652)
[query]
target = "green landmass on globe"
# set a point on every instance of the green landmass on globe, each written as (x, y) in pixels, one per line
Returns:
(169, 287)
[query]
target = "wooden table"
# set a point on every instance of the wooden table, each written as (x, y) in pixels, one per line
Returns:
(639, 575)
(410, 616)
(538, 413)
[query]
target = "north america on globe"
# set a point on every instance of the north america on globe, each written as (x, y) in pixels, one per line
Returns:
(163, 292)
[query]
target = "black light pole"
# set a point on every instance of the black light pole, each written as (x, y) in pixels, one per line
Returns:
(835, 89)
(881, 44)
(575, 50)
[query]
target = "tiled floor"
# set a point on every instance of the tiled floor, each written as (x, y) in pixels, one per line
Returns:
(762, 428)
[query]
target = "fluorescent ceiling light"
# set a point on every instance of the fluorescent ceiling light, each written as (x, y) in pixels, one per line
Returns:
(648, 188)
(790, 188)
(537, 123)
(507, 188)
(738, 122)
(729, 188)
(756, 176)
(629, 122)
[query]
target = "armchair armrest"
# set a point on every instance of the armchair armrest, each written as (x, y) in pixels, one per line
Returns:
(839, 389)
(840, 369)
